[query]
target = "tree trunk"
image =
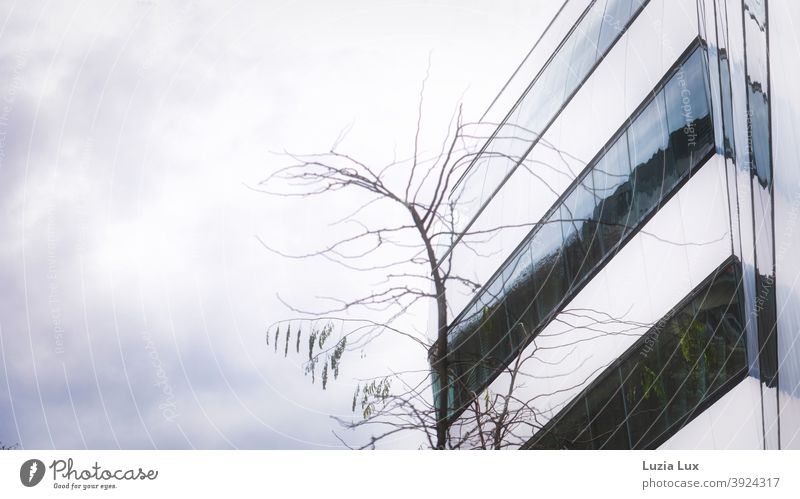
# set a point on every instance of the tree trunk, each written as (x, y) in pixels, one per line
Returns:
(440, 361)
(439, 352)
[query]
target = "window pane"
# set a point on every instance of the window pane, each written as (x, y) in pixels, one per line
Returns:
(547, 93)
(727, 104)
(646, 395)
(573, 250)
(629, 180)
(647, 141)
(549, 272)
(691, 134)
(466, 367)
(590, 217)
(607, 415)
(494, 342)
(616, 15)
(674, 379)
(520, 288)
(571, 431)
(759, 129)
(557, 80)
(692, 355)
(583, 53)
(613, 193)
(576, 213)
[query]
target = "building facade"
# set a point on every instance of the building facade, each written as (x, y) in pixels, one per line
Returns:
(635, 211)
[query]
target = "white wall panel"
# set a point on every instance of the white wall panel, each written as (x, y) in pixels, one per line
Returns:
(622, 81)
(732, 422)
(646, 279)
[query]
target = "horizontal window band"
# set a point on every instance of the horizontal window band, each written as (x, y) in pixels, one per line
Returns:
(601, 211)
(635, 7)
(692, 357)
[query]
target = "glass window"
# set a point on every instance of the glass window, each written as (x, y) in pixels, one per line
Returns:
(466, 367)
(615, 18)
(690, 357)
(583, 53)
(571, 431)
(647, 141)
(520, 291)
(608, 415)
(465, 322)
(517, 269)
(673, 380)
(548, 265)
(767, 336)
(757, 80)
(590, 228)
(546, 95)
(494, 342)
(613, 194)
(573, 250)
(557, 80)
(645, 393)
(727, 104)
(629, 180)
(697, 83)
(759, 130)
(691, 134)
(467, 356)
(576, 212)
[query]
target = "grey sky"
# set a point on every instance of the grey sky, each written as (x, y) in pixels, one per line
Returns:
(134, 294)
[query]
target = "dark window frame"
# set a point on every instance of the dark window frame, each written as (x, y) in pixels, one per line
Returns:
(695, 44)
(640, 5)
(637, 346)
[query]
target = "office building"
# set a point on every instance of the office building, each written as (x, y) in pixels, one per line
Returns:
(631, 224)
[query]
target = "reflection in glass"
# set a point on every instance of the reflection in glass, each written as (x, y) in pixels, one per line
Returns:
(691, 134)
(568, 68)
(519, 286)
(607, 410)
(613, 194)
(757, 80)
(616, 12)
(648, 142)
(583, 53)
(595, 216)
(689, 358)
(579, 253)
(549, 272)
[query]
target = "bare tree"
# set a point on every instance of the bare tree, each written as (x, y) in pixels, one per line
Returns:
(414, 256)
(419, 188)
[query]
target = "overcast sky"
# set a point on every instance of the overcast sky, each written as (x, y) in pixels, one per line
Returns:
(134, 292)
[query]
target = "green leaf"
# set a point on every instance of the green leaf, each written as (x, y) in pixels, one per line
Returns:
(312, 338)
(355, 397)
(288, 336)
(325, 333)
(337, 356)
